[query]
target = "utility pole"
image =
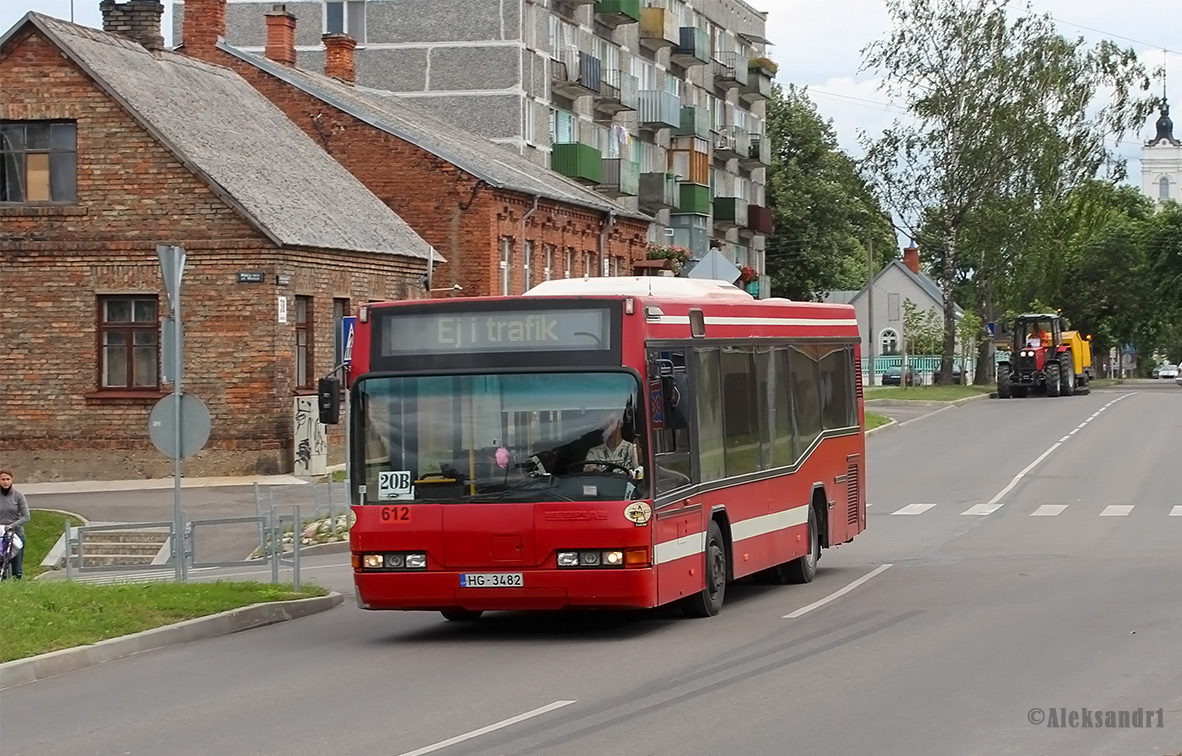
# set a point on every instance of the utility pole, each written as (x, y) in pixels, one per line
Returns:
(870, 305)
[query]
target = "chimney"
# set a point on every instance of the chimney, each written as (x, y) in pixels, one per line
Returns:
(280, 35)
(203, 23)
(137, 20)
(911, 258)
(338, 56)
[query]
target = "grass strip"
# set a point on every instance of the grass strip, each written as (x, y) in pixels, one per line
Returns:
(42, 615)
(928, 393)
(874, 420)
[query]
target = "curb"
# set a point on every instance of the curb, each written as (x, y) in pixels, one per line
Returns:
(883, 428)
(926, 402)
(23, 671)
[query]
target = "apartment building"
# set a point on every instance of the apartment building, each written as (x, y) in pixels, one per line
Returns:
(656, 104)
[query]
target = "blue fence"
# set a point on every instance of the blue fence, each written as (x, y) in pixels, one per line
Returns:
(924, 367)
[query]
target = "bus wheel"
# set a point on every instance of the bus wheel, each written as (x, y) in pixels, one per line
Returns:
(709, 601)
(803, 569)
(461, 615)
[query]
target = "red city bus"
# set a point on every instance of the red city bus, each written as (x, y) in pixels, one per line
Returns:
(600, 443)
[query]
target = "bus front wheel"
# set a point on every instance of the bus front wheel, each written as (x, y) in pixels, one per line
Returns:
(709, 602)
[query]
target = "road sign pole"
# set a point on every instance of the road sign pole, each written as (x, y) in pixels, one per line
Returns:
(172, 268)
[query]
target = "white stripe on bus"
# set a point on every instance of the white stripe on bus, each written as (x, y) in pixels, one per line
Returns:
(769, 523)
(680, 548)
(691, 545)
(721, 321)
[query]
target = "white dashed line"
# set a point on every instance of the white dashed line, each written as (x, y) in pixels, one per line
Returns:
(1176, 511)
(1117, 510)
(835, 595)
(913, 509)
(1049, 510)
(490, 728)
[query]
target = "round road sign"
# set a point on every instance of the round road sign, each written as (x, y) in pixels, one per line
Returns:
(194, 428)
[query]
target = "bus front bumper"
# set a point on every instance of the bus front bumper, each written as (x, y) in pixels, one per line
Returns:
(624, 588)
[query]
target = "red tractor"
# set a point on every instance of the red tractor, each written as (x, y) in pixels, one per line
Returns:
(1045, 359)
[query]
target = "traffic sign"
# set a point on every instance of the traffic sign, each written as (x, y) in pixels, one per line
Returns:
(992, 328)
(346, 342)
(194, 430)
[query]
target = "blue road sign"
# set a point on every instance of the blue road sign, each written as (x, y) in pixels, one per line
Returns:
(346, 342)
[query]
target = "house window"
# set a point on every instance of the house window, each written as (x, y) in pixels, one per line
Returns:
(528, 268)
(506, 257)
(38, 161)
(588, 265)
(570, 262)
(564, 127)
(340, 310)
(889, 342)
(303, 343)
(1163, 187)
(548, 273)
(129, 334)
(345, 17)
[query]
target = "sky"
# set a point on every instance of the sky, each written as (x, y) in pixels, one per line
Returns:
(818, 44)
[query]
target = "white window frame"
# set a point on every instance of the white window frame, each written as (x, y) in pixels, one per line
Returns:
(548, 270)
(527, 268)
(1163, 187)
(506, 259)
(570, 262)
(891, 336)
(347, 9)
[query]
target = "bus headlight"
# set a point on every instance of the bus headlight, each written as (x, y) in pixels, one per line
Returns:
(373, 561)
(416, 561)
(395, 561)
(568, 559)
(613, 558)
(589, 558)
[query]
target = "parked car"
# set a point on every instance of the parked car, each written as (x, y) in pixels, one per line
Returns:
(1168, 371)
(894, 376)
(957, 377)
(1156, 372)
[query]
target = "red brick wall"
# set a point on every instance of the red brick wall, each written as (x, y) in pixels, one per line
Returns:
(461, 217)
(56, 261)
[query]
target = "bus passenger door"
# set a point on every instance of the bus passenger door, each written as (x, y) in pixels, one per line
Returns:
(679, 536)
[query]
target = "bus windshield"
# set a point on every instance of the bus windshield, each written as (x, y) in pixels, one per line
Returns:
(499, 437)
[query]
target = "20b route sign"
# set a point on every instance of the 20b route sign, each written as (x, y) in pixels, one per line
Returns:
(395, 485)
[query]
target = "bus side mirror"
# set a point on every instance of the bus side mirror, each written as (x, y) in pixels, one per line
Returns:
(675, 392)
(328, 394)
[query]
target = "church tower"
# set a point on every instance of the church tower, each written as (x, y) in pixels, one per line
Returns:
(1161, 161)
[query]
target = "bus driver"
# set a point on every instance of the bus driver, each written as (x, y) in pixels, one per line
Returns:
(614, 448)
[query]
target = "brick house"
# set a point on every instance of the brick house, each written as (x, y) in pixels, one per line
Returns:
(502, 222)
(109, 147)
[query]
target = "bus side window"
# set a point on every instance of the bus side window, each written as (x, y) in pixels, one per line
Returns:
(671, 446)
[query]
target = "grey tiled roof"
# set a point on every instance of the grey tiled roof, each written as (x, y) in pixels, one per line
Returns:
(498, 166)
(925, 283)
(243, 146)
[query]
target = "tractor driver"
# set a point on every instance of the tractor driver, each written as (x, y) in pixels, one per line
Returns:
(1038, 336)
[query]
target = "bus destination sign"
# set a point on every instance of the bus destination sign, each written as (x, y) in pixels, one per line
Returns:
(495, 331)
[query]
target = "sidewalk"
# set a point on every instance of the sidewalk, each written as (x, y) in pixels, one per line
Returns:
(154, 484)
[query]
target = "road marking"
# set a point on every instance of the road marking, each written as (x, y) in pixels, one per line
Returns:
(1176, 511)
(837, 594)
(914, 509)
(1049, 510)
(995, 504)
(1065, 438)
(1117, 510)
(490, 728)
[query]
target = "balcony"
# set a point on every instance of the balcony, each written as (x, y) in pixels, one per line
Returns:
(577, 2)
(621, 178)
(731, 143)
(580, 162)
(730, 212)
(659, 109)
(759, 152)
(574, 74)
(658, 28)
(658, 191)
(692, 49)
(617, 92)
(694, 121)
(759, 219)
(693, 199)
(730, 71)
(617, 12)
(758, 86)
(689, 158)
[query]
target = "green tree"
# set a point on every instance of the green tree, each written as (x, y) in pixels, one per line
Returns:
(1003, 118)
(825, 215)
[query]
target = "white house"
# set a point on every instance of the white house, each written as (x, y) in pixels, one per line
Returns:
(895, 284)
(1161, 161)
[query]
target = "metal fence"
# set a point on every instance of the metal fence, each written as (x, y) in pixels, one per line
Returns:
(267, 542)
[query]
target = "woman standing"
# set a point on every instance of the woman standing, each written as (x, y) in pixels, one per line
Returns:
(14, 513)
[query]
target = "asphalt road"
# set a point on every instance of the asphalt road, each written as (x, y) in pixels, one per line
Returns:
(1034, 562)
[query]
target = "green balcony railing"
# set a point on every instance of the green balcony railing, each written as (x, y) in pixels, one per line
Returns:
(730, 211)
(693, 47)
(617, 12)
(695, 121)
(580, 162)
(621, 178)
(694, 199)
